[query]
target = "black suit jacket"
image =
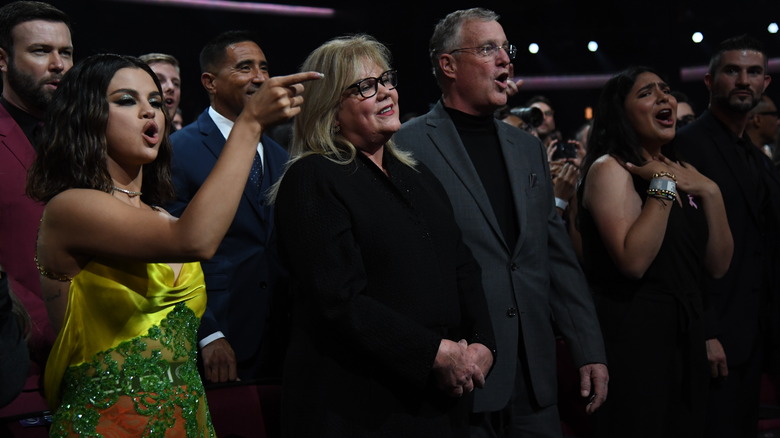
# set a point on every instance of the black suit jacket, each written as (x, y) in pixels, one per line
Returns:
(380, 276)
(734, 304)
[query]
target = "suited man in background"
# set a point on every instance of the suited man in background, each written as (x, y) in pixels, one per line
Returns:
(35, 52)
(740, 308)
(243, 276)
(499, 183)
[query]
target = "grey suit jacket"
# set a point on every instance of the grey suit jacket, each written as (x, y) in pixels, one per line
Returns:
(537, 280)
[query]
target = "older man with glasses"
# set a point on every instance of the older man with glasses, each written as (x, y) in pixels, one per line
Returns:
(498, 181)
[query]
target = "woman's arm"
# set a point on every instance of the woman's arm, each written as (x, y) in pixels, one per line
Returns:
(632, 232)
(89, 222)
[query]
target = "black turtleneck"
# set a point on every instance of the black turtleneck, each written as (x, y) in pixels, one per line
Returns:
(27, 122)
(480, 138)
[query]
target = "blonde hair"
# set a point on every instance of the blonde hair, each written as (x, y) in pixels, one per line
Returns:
(342, 60)
(155, 58)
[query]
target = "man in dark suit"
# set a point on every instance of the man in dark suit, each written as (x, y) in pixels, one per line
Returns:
(737, 307)
(243, 276)
(499, 183)
(35, 52)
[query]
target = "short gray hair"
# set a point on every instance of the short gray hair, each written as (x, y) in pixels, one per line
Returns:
(446, 35)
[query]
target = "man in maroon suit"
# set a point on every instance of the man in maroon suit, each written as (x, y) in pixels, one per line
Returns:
(35, 51)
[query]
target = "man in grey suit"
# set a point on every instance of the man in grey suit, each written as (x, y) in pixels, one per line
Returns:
(499, 183)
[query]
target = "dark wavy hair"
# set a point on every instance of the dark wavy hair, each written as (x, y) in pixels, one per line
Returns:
(612, 133)
(72, 147)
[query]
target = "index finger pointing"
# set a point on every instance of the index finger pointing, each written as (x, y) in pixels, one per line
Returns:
(297, 78)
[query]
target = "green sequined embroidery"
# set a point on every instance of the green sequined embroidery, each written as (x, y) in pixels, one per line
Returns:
(157, 371)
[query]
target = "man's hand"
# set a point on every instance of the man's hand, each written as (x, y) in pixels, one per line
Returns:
(452, 368)
(219, 361)
(565, 176)
(482, 359)
(717, 358)
(512, 87)
(594, 378)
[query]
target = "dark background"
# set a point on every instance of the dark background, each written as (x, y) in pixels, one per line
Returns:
(628, 32)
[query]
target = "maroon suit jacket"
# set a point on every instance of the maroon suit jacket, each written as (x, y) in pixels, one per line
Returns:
(19, 220)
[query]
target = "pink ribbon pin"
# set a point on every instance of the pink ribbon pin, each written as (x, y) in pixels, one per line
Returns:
(690, 201)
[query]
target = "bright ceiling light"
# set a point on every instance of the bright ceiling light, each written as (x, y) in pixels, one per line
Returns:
(772, 28)
(593, 46)
(533, 48)
(697, 37)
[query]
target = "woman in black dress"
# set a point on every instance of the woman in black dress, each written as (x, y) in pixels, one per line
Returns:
(390, 330)
(651, 227)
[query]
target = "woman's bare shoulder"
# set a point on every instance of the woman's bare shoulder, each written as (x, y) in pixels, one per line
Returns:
(609, 167)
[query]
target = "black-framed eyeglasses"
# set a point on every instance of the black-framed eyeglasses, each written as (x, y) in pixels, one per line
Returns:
(489, 50)
(770, 113)
(368, 87)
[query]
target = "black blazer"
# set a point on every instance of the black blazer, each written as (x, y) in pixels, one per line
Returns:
(379, 276)
(734, 303)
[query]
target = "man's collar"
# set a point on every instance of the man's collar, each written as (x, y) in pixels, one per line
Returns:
(732, 135)
(224, 124)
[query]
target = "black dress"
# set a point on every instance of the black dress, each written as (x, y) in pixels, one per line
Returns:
(379, 276)
(653, 329)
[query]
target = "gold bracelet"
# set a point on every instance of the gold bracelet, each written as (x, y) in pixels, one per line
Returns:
(665, 174)
(52, 275)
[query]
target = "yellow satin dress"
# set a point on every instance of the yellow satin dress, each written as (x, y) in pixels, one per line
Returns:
(124, 363)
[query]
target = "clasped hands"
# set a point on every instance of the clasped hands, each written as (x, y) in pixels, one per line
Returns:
(459, 367)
